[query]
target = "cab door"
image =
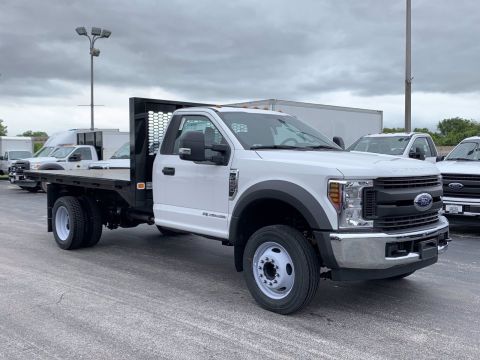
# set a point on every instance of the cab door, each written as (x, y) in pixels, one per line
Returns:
(192, 196)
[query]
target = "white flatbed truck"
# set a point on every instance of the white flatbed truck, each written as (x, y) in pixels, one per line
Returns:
(293, 204)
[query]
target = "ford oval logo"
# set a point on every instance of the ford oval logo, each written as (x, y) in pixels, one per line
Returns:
(423, 202)
(455, 186)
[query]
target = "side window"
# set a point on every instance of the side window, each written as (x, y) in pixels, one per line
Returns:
(202, 124)
(422, 144)
(85, 153)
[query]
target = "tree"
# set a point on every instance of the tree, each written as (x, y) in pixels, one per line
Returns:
(393, 130)
(34, 133)
(3, 129)
(454, 130)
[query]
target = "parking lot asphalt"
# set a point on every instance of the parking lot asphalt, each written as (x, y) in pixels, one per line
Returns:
(141, 295)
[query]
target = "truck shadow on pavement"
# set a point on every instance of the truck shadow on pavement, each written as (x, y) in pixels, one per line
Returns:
(206, 267)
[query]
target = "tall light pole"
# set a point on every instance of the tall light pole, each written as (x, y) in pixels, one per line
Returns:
(408, 69)
(96, 33)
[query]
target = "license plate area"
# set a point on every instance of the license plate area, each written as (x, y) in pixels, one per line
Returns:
(453, 209)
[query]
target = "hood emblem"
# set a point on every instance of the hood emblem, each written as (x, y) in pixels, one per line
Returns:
(423, 202)
(455, 186)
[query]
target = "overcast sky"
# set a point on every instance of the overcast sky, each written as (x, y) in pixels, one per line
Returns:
(336, 52)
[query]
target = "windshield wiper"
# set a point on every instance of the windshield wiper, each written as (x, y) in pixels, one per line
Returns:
(327, 147)
(281, 147)
(461, 159)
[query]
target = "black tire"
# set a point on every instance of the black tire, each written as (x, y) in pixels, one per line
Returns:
(399, 277)
(75, 224)
(43, 186)
(169, 232)
(304, 262)
(93, 221)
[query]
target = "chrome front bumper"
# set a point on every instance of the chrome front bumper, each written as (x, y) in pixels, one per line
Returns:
(472, 204)
(368, 250)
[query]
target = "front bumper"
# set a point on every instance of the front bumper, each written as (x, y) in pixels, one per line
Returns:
(467, 207)
(370, 251)
(21, 180)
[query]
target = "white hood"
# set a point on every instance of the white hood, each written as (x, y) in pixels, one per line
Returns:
(459, 167)
(40, 160)
(365, 165)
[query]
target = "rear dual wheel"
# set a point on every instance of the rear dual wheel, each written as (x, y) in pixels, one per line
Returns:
(77, 222)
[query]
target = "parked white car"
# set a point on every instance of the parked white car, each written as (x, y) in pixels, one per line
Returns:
(408, 145)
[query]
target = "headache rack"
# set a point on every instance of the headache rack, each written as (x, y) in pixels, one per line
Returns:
(148, 123)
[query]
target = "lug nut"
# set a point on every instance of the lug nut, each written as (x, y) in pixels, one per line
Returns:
(261, 275)
(275, 281)
(265, 281)
(270, 284)
(266, 258)
(273, 261)
(277, 275)
(261, 261)
(276, 267)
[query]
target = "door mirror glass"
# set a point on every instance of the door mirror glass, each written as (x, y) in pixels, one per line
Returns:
(418, 154)
(192, 146)
(1, 158)
(339, 141)
(75, 158)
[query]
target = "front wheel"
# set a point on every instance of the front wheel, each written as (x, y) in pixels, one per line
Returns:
(281, 269)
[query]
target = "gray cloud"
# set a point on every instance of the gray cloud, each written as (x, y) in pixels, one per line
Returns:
(244, 49)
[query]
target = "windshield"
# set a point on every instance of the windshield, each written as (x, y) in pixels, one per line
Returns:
(123, 152)
(389, 145)
(45, 151)
(256, 131)
(17, 155)
(465, 151)
(62, 152)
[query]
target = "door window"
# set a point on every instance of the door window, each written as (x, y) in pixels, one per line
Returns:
(85, 153)
(201, 124)
(421, 145)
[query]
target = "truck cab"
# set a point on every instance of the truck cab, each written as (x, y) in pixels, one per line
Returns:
(10, 157)
(461, 182)
(293, 204)
(68, 157)
(407, 145)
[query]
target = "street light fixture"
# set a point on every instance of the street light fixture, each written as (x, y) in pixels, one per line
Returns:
(96, 33)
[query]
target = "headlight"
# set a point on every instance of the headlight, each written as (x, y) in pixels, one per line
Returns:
(34, 166)
(346, 197)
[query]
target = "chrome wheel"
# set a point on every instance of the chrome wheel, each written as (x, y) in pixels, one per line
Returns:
(273, 270)
(62, 223)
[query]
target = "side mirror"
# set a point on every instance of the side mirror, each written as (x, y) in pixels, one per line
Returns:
(440, 157)
(192, 146)
(2, 158)
(75, 158)
(417, 154)
(339, 141)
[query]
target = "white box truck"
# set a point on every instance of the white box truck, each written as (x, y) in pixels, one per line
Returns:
(13, 148)
(345, 122)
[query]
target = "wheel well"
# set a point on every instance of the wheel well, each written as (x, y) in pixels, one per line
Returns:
(261, 213)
